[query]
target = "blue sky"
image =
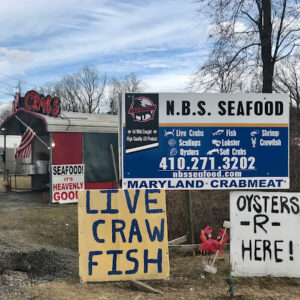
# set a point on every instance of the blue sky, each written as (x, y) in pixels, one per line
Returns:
(162, 41)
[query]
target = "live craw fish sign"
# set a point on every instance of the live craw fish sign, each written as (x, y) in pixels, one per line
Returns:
(264, 231)
(122, 235)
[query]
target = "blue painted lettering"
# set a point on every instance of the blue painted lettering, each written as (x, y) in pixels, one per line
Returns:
(134, 260)
(95, 229)
(120, 230)
(132, 207)
(109, 210)
(115, 254)
(134, 230)
(156, 233)
(157, 261)
(151, 201)
(91, 262)
(88, 204)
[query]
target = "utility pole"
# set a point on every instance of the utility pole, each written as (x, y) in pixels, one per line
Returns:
(19, 87)
(4, 154)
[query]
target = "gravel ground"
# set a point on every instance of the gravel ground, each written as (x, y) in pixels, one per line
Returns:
(24, 264)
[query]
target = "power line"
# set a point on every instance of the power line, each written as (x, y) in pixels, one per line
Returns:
(8, 84)
(15, 78)
(7, 93)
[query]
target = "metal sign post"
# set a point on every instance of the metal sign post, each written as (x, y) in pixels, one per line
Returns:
(189, 218)
(4, 155)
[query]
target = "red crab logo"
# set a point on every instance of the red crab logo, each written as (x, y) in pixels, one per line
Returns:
(142, 109)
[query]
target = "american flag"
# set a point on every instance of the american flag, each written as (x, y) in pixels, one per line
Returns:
(28, 136)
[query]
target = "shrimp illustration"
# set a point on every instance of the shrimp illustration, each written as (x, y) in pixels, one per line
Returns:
(170, 132)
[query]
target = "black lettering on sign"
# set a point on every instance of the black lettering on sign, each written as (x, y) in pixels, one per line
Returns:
(186, 108)
(250, 108)
(201, 111)
(268, 204)
(295, 205)
(259, 221)
(262, 250)
(170, 108)
(276, 250)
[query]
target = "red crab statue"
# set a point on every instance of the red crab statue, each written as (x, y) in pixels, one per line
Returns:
(210, 245)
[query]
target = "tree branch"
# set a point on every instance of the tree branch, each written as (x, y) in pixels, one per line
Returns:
(279, 32)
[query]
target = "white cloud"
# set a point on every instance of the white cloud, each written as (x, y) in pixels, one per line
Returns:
(118, 36)
(15, 56)
(81, 29)
(237, 26)
(167, 82)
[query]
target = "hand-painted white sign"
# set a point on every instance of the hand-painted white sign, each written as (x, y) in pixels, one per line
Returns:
(264, 232)
(67, 180)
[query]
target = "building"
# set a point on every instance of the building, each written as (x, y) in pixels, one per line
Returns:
(79, 138)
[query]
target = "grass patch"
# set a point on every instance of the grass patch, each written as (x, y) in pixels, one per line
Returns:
(53, 225)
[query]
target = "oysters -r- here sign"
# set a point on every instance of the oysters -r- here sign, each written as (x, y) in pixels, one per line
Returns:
(264, 232)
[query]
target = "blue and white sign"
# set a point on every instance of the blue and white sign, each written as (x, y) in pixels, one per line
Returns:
(205, 141)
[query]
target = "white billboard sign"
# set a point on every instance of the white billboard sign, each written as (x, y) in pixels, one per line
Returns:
(67, 180)
(264, 234)
(205, 141)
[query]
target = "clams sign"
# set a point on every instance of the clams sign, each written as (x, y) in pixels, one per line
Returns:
(205, 141)
(41, 104)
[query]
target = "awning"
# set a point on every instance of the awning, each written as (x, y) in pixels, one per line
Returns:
(66, 122)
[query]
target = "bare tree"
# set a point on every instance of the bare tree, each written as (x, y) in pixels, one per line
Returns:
(216, 77)
(81, 91)
(128, 84)
(287, 80)
(5, 111)
(250, 35)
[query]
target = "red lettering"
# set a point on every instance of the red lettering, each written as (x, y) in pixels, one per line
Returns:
(28, 100)
(64, 196)
(56, 196)
(56, 108)
(58, 186)
(43, 105)
(48, 105)
(36, 102)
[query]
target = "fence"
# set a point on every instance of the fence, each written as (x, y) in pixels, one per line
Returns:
(12, 165)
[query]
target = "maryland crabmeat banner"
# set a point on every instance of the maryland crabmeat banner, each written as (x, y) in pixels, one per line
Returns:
(122, 235)
(205, 141)
(264, 234)
(67, 180)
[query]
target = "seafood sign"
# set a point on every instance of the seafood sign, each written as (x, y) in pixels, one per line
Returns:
(67, 180)
(205, 141)
(264, 234)
(122, 235)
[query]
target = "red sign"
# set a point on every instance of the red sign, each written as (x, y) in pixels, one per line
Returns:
(38, 103)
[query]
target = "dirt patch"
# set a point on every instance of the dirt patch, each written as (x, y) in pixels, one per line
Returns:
(42, 264)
